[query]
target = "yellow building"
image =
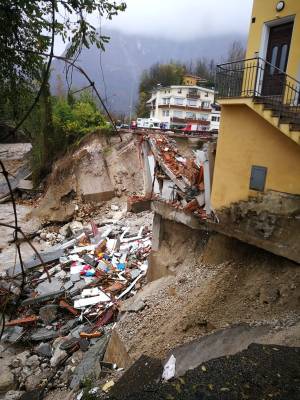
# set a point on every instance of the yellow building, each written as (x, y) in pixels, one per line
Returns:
(192, 80)
(259, 141)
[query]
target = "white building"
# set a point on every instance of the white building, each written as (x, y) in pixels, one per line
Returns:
(215, 117)
(177, 106)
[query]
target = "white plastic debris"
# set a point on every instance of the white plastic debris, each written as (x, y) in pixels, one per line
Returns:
(169, 369)
(91, 300)
(79, 396)
(91, 292)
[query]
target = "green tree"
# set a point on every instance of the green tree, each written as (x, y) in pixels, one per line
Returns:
(78, 118)
(27, 32)
(26, 28)
(163, 74)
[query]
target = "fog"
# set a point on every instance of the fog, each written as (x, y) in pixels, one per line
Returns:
(183, 19)
(177, 19)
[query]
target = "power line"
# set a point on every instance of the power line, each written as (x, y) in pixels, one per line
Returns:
(100, 59)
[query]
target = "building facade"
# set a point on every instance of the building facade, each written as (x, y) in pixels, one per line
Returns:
(256, 181)
(177, 106)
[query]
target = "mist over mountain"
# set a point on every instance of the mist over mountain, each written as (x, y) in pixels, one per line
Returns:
(116, 72)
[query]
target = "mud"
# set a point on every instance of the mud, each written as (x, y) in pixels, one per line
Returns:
(229, 283)
(94, 172)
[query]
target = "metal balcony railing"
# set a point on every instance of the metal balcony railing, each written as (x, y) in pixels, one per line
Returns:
(193, 96)
(262, 81)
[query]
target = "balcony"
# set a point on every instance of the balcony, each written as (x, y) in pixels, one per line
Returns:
(188, 108)
(193, 96)
(151, 106)
(263, 82)
(266, 89)
(190, 121)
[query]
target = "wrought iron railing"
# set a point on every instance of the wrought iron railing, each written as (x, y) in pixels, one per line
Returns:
(262, 81)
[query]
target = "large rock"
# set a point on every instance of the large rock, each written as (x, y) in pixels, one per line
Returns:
(57, 357)
(116, 352)
(44, 349)
(34, 381)
(75, 227)
(48, 313)
(7, 381)
(13, 395)
(33, 361)
(90, 367)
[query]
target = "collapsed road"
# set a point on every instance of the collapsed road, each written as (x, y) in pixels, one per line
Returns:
(114, 298)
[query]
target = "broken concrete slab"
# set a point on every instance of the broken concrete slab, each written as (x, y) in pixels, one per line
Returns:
(47, 287)
(42, 299)
(44, 350)
(13, 334)
(47, 257)
(116, 353)
(42, 334)
(90, 367)
(220, 343)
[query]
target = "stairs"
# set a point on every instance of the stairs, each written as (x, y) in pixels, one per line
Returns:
(284, 117)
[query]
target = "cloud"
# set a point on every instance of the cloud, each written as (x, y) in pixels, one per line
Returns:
(183, 19)
(178, 19)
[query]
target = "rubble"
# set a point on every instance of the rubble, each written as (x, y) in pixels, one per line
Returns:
(190, 177)
(70, 308)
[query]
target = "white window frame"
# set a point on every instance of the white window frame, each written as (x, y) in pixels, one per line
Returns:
(192, 116)
(178, 101)
(177, 113)
(189, 101)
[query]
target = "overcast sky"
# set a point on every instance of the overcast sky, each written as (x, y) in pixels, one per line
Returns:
(180, 19)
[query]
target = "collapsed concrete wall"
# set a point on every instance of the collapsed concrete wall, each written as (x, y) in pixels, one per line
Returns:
(174, 244)
(213, 281)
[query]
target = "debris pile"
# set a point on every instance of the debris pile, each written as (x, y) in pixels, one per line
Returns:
(190, 176)
(68, 308)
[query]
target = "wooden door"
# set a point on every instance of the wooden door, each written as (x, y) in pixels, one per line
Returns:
(277, 55)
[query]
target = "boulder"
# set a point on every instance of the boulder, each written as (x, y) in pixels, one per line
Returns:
(90, 367)
(48, 313)
(33, 381)
(65, 230)
(33, 361)
(76, 227)
(13, 395)
(23, 357)
(57, 357)
(7, 381)
(44, 350)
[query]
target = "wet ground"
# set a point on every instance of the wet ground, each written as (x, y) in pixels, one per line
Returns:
(15, 157)
(260, 372)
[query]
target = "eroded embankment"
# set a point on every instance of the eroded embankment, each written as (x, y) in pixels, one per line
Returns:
(95, 172)
(225, 283)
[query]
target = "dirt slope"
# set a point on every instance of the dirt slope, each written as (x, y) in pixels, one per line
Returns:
(251, 286)
(94, 172)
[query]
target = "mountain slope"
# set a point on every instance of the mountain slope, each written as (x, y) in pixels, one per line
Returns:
(126, 57)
